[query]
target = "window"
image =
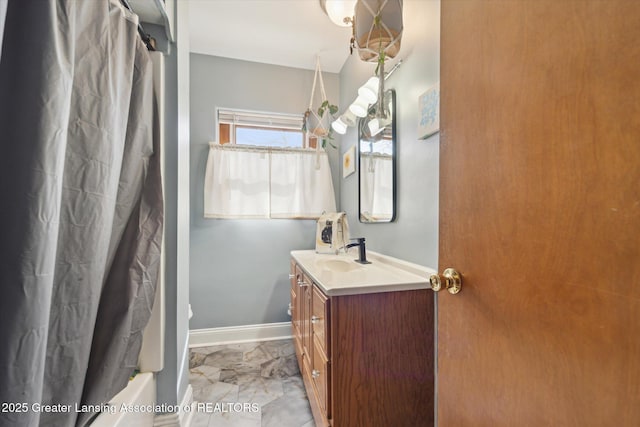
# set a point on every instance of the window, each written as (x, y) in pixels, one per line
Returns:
(243, 127)
(264, 166)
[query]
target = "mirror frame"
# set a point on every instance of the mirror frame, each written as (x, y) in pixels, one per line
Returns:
(389, 94)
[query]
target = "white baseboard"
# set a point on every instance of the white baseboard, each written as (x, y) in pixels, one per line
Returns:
(238, 334)
(187, 400)
(171, 419)
(181, 418)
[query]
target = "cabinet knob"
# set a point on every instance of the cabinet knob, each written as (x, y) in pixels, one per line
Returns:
(314, 319)
(291, 276)
(315, 373)
(302, 283)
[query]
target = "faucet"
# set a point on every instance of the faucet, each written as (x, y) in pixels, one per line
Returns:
(362, 258)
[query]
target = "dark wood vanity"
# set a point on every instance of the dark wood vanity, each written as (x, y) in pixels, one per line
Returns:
(367, 359)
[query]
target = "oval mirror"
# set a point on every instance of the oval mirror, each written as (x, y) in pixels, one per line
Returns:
(377, 162)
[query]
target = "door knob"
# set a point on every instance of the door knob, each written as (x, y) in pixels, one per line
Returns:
(450, 278)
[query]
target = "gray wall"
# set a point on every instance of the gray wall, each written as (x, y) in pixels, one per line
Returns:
(414, 234)
(239, 268)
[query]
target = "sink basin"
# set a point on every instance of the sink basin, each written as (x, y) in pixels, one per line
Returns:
(340, 265)
(340, 274)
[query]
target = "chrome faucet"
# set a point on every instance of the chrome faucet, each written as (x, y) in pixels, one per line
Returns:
(362, 257)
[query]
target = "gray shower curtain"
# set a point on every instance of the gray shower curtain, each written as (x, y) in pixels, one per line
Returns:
(80, 206)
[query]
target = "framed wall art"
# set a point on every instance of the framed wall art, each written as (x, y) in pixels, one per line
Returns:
(349, 162)
(429, 108)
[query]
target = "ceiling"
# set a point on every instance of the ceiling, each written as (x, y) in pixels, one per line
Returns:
(281, 32)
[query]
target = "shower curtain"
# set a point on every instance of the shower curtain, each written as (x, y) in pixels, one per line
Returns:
(80, 206)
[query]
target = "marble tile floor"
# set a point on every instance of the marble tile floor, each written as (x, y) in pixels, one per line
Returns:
(255, 384)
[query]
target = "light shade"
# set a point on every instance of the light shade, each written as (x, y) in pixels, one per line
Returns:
(369, 91)
(359, 107)
(377, 125)
(348, 118)
(339, 11)
(378, 28)
(339, 126)
(374, 126)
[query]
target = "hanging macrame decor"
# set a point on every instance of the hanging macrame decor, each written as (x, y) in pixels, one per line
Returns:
(317, 119)
(377, 29)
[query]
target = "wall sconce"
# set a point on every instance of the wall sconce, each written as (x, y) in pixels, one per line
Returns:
(367, 95)
(339, 11)
(377, 32)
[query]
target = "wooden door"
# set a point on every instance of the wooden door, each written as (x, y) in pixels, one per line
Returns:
(540, 213)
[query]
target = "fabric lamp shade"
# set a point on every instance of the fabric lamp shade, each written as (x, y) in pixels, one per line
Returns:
(378, 28)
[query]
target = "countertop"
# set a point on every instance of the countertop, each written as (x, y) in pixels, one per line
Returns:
(341, 275)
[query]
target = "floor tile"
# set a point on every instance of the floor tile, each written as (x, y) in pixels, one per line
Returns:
(262, 376)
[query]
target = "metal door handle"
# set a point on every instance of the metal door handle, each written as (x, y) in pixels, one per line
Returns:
(451, 279)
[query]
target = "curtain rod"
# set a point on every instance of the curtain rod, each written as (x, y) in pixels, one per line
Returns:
(149, 41)
(395, 67)
(263, 149)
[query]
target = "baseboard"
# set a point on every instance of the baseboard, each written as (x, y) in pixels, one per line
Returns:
(238, 334)
(171, 419)
(181, 418)
(187, 401)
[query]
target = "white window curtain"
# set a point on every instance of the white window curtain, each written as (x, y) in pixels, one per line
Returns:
(376, 194)
(258, 182)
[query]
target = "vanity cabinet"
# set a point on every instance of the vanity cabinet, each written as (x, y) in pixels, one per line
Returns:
(366, 358)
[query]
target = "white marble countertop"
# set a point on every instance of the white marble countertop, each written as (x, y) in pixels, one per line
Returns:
(341, 275)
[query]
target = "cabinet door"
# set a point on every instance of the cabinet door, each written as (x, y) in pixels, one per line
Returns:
(296, 313)
(320, 318)
(297, 299)
(305, 296)
(294, 307)
(320, 377)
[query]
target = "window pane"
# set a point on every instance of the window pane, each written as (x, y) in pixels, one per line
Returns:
(268, 137)
(383, 146)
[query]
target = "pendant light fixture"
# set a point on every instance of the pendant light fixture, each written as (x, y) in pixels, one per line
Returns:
(339, 11)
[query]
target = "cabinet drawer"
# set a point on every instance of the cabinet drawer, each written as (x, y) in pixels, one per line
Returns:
(320, 318)
(320, 378)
